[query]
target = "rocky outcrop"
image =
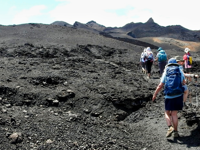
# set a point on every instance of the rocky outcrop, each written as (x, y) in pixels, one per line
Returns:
(96, 26)
(61, 23)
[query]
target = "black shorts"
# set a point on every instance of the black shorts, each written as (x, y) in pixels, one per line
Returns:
(174, 103)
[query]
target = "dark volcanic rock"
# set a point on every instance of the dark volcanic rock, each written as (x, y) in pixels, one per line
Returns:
(152, 29)
(96, 26)
(75, 94)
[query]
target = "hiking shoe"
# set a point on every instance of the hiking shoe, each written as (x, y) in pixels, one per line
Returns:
(175, 133)
(169, 131)
(143, 71)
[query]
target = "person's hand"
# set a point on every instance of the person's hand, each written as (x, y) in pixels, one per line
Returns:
(154, 97)
(184, 82)
(195, 77)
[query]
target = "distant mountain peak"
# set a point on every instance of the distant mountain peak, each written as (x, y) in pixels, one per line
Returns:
(150, 20)
(61, 23)
(80, 25)
(91, 22)
(94, 23)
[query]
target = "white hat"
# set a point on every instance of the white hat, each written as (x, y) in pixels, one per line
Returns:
(187, 50)
(148, 49)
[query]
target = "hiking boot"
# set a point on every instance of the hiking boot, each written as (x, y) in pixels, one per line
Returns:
(169, 131)
(175, 134)
(143, 71)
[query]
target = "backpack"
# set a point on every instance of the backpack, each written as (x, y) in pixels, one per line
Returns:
(162, 56)
(149, 56)
(173, 84)
(190, 60)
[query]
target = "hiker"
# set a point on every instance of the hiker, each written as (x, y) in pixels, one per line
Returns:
(187, 63)
(142, 61)
(161, 57)
(180, 61)
(172, 80)
(149, 58)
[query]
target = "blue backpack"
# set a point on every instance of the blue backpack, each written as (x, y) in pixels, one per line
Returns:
(162, 56)
(173, 84)
(149, 56)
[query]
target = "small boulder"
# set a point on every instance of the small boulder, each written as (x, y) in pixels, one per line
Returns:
(65, 95)
(16, 137)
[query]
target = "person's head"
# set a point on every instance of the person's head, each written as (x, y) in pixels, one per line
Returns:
(186, 50)
(159, 49)
(179, 60)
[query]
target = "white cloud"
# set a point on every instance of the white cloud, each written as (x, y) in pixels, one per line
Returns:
(25, 15)
(83, 11)
(118, 13)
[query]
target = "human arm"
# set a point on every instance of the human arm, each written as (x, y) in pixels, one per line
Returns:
(158, 89)
(156, 58)
(191, 75)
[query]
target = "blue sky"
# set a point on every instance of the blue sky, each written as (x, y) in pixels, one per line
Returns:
(110, 13)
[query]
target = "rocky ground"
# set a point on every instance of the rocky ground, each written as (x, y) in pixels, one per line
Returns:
(86, 96)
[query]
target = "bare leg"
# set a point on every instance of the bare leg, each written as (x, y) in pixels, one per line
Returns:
(175, 120)
(168, 117)
(149, 75)
(185, 95)
(143, 70)
(189, 79)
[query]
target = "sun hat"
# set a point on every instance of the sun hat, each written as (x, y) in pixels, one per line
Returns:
(187, 50)
(178, 58)
(160, 48)
(172, 61)
(148, 49)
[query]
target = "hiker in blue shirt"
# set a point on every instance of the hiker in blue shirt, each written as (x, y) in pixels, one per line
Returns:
(173, 94)
(161, 57)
